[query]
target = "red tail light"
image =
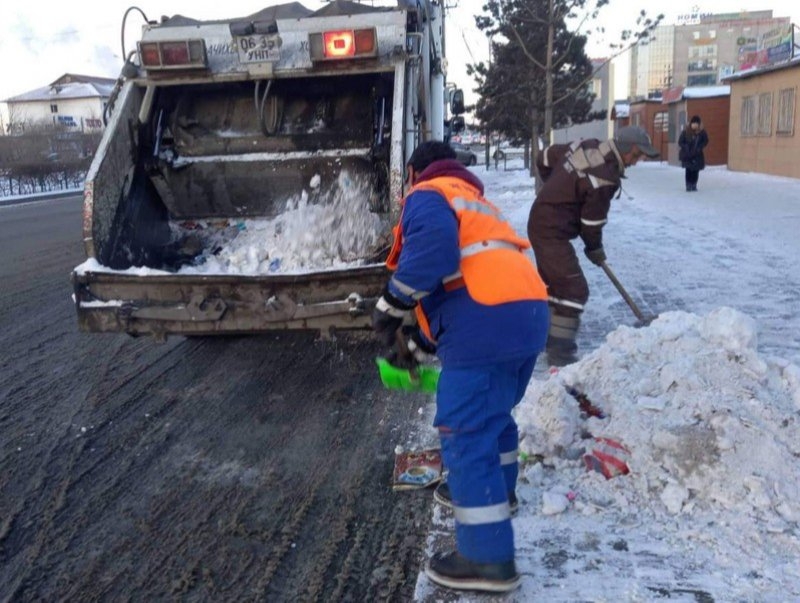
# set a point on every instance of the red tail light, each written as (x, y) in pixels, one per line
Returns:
(177, 54)
(343, 44)
(150, 57)
(339, 44)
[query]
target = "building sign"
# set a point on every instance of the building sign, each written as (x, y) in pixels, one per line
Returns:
(66, 120)
(747, 56)
(771, 47)
(776, 44)
(694, 17)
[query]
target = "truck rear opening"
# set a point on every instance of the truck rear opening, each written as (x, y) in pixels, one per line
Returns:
(248, 176)
(212, 156)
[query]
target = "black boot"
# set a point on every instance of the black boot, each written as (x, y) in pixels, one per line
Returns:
(561, 347)
(454, 571)
(443, 497)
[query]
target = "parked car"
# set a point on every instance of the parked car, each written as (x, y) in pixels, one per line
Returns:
(464, 154)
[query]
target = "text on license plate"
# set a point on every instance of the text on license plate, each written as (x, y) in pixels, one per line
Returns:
(259, 48)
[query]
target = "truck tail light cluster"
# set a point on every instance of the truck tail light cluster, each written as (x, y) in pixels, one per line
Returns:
(343, 44)
(178, 54)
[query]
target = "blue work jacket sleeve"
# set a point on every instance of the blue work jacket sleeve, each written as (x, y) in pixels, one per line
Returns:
(430, 246)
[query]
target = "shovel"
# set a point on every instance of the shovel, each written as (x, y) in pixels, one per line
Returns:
(401, 371)
(643, 320)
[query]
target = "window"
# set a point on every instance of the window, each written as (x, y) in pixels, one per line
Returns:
(596, 87)
(785, 123)
(53, 108)
(706, 79)
(765, 114)
(747, 120)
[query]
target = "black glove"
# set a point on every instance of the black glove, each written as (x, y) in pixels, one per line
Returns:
(388, 316)
(596, 256)
(421, 348)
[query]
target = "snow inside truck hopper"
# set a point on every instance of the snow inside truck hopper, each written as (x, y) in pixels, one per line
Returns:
(256, 127)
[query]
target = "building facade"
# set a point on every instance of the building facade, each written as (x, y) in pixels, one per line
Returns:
(702, 49)
(602, 86)
(651, 64)
(73, 102)
(763, 120)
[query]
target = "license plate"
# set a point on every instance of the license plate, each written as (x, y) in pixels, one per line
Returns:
(259, 48)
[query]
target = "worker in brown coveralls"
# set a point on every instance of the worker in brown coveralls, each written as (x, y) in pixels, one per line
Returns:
(580, 179)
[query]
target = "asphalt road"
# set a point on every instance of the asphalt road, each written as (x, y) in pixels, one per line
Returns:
(223, 469)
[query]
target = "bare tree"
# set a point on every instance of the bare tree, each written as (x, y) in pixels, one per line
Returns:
(544, 49)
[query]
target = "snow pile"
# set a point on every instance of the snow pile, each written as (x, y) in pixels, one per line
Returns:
(709, 424)
(317, 231)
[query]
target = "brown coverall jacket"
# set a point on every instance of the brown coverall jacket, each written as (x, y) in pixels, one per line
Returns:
(580, 179)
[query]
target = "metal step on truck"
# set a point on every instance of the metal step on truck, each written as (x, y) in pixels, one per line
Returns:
(250, 170)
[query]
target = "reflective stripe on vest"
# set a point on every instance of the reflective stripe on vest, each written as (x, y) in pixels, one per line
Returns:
(486, 246)
(475, 516)
(460, 203)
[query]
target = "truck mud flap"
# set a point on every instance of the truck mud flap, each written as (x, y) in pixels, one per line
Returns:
(162, 305)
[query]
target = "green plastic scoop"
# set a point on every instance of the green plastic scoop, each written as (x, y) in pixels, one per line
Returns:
(421, 379)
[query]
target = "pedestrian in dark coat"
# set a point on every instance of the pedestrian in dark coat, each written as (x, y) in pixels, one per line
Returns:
(692, 141)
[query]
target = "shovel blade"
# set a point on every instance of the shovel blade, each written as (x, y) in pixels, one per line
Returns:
(422, 379)
(644, 322)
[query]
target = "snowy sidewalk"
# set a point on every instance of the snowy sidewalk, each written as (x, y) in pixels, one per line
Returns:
(707, 400)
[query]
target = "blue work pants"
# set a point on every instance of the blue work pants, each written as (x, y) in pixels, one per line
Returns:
(480, 443)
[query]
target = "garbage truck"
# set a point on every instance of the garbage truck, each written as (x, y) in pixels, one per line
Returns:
(250, 171)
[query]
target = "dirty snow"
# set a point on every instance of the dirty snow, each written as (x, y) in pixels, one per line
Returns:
(706, 399)
(318, 230)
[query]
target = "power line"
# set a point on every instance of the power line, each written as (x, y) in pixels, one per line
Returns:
(466, 43)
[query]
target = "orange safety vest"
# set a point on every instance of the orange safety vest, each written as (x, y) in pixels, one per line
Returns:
(493, 267)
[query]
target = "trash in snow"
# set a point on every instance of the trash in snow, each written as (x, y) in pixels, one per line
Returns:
(725, 435)
(585, 404)
(608, 457)
(323, 229)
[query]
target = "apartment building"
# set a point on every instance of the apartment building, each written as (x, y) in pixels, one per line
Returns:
(702, 49)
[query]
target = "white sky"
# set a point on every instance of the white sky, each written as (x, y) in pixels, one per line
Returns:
(42, 39)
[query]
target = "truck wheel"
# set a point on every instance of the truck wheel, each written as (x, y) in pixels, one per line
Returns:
(473, 160)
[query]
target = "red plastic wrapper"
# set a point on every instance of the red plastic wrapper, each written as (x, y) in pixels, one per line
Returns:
(608, 457)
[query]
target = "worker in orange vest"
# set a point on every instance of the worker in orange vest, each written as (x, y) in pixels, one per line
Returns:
(481, 307)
